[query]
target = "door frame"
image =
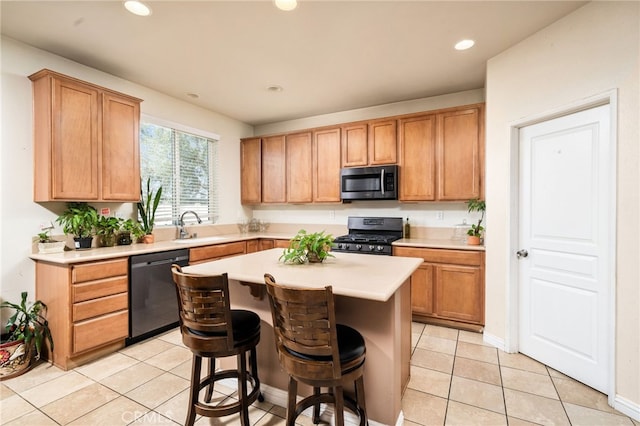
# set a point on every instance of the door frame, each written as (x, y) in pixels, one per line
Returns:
(512, 295)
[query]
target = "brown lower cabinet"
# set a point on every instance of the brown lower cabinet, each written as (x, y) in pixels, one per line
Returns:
(88, 308)
(448, 288)
(218, 251)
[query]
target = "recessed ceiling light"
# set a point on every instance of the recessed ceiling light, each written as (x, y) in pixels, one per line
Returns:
(286, 4)
(193, 95)
(137, 7)
(464, 44)
(275, 88)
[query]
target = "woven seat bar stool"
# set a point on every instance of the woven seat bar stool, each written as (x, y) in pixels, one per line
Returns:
(313, 349)
(211, 329)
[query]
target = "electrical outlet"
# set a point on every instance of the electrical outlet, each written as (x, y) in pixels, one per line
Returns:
(439, 215)
(332, 214)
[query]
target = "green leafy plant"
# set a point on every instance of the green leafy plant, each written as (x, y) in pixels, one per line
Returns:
(79, 220)
(107, 228)
(28, 323)
(306, 247)
(476, 205)
(147, 207)
(44, 237)
(132, 227)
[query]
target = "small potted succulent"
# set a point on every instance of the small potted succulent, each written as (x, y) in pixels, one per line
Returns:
(107, 229)
(26, 331)
(308, 247)
(475, 234)
(79, 220)
(46, 244)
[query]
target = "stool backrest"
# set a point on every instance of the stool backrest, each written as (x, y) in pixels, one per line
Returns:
(204, 308)
(305, 330)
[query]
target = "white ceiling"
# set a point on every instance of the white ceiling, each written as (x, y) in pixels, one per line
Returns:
(329, 56)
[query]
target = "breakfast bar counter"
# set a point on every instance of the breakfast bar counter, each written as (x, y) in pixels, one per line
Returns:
(372, 295)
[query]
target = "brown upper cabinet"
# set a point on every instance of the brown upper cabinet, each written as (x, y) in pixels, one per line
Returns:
(460, 153)
(383, 148)
(442, 155)
(299, 168)
(369, 143)
(85, 141)
(417, 158)
(354, 145)
(274, 169)
(251, 171)
(326, 165)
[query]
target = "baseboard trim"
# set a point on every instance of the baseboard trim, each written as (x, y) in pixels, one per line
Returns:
(627, 407)
(493, 340)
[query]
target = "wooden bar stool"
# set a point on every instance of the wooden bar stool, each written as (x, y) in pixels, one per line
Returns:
(211, 329)
(313, 349)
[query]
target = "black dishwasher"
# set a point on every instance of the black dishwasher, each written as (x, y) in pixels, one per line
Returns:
(153, 306)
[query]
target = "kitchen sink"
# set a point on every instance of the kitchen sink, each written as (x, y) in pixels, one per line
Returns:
(198, 240)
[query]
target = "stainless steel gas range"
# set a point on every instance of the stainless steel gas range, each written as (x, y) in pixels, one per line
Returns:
(369, 235)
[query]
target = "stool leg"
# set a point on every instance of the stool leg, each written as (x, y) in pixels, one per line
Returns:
(253, 361)
(291, 403)
(242, 388)
(195, 388)
(339, 405)
(360, 401)
(212, 368)
(316, 406)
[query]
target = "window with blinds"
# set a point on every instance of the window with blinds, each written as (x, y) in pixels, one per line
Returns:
(184, 163)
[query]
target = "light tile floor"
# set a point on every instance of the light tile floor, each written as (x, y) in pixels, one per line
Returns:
(456, 379)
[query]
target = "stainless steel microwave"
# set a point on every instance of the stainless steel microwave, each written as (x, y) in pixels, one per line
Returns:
(369, 183)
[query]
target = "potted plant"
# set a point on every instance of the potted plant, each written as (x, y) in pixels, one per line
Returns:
(474, 235)
(26, 331)
(79, 220)
(106, 230)
(46, 244)
(304, 247)
(147, 209)
(129, 231)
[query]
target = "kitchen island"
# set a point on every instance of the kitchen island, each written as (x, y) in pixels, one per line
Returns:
(372, 295)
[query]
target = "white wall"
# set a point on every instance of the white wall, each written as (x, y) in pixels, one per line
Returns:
(589, 52)
(21, 216)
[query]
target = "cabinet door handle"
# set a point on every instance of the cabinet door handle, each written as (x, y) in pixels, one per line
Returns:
(522, 254)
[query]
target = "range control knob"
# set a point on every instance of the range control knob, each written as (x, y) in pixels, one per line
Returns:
(372, 248)
(379, 248)
(358, 246)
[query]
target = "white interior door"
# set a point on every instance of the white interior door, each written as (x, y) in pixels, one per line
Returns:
(564, 256)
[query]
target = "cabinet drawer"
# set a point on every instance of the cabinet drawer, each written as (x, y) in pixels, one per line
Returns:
(99, 270)
(456, 257)
(101, 306)
(100, 288)
(219, 250)
(98, 331)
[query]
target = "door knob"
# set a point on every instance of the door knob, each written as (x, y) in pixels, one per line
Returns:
(522, 253)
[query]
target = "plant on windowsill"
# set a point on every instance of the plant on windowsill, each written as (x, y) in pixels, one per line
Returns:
(46, 244)
(475, 234)
(26, 331)
(304, 247)
(79, 220)
(147, 208)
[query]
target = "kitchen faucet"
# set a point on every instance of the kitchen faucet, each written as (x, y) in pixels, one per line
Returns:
(182, 234)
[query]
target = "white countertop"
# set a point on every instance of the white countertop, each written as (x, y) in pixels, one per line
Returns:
(356, 275)
(101, 253)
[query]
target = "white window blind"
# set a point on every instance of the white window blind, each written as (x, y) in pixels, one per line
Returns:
(184, 163)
